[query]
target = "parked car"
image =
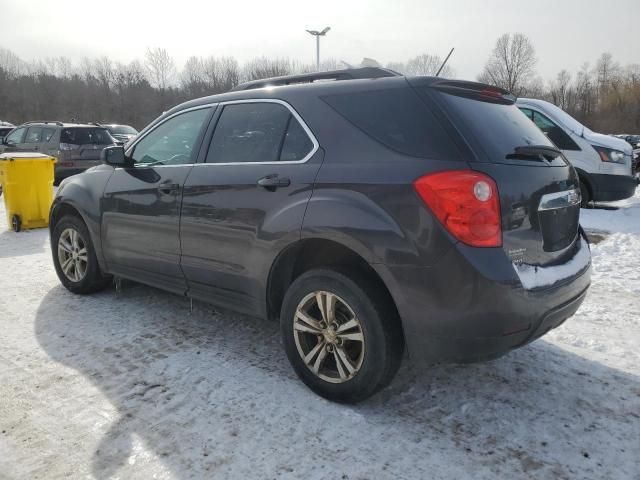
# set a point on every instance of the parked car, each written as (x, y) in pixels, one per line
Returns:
(77, 147)
(633, 140)
(604, 163)
(122, 133)
(369, 216)
(4, 131)
(5, 127)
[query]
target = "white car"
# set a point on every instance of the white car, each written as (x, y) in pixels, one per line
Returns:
(604, 163)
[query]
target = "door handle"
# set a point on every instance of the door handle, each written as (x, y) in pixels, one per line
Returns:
(168, 188)
(271, 182)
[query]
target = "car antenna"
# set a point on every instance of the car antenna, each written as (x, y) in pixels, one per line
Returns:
(445, 62)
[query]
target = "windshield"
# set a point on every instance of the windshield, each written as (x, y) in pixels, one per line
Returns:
(565, 119)
(123, 130)
(86, 136)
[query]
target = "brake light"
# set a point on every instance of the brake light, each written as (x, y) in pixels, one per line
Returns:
(466, 203)
(489, 92)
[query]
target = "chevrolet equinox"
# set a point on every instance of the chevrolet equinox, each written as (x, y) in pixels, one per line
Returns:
(373, 215)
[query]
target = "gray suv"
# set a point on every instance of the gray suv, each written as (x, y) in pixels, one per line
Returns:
(371, 216)
(77, 147)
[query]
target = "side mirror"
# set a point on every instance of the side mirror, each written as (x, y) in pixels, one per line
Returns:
(115, 157)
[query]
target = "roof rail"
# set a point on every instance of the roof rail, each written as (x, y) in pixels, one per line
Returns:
(345, 74)
(44, 121)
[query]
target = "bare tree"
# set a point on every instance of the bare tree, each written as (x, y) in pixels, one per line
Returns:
(424, 64)
(399, 67)
(64, 67)
(607, 72)
(263, 67)
(559, 89)
(192, 80)
(230, 73)
(427, 64)
(161, 68)
(10, 63)
(511, 64)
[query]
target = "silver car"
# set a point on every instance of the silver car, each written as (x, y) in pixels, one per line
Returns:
(77, 147)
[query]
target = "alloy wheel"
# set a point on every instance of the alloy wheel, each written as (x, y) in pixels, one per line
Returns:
(329, 337)
(72, 254)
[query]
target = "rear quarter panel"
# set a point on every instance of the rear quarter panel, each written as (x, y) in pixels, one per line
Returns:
(364, 197)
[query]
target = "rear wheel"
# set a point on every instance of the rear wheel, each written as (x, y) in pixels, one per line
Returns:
(340, 334)
(74, 257)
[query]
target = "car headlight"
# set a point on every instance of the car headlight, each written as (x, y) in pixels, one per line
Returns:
(609, 155)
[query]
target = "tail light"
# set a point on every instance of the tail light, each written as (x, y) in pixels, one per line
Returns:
(466, 203)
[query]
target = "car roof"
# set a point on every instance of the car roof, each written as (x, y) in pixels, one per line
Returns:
(60, 124)
(284, 91)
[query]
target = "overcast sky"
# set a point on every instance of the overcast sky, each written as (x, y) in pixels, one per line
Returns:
(565, 33)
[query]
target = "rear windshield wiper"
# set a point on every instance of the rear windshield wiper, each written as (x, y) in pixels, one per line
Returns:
(535, 152)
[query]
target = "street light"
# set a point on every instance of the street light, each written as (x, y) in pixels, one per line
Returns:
(318, 34)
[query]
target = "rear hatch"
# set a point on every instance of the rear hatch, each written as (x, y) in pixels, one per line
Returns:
(538, 189)
(82, 145)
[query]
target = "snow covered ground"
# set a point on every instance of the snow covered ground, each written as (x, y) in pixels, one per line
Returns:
(132, 385)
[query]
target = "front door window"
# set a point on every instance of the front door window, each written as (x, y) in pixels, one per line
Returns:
(173, 142)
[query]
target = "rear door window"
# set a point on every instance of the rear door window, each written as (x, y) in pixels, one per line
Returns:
(34, 135)
(296, 144)
(47, 133)
(258, 132)
(398, 119)
(86, 136)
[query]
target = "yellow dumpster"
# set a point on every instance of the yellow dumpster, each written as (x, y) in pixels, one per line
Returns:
(27, 185)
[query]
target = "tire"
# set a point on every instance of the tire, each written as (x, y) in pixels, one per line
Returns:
(585, 194)
(375, 359)
(79, 280)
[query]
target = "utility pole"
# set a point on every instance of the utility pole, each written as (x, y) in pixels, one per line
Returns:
(318, 34)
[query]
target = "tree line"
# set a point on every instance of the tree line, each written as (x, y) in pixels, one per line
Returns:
(605, 97)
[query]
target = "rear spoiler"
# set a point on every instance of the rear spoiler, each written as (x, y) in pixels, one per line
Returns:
(476, 91)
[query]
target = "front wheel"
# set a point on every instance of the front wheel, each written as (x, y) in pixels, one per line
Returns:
(74, 257)
(341, 334)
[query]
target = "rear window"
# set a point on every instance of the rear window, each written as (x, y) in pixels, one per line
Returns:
(86, 136)
(499, 128)
(399, 119)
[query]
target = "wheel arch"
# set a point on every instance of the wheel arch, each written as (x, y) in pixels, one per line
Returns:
(587, 180)
(66, 206)
(309, 253)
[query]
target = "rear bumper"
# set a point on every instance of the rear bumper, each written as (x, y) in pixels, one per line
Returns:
(607, 188)
(472, 306)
